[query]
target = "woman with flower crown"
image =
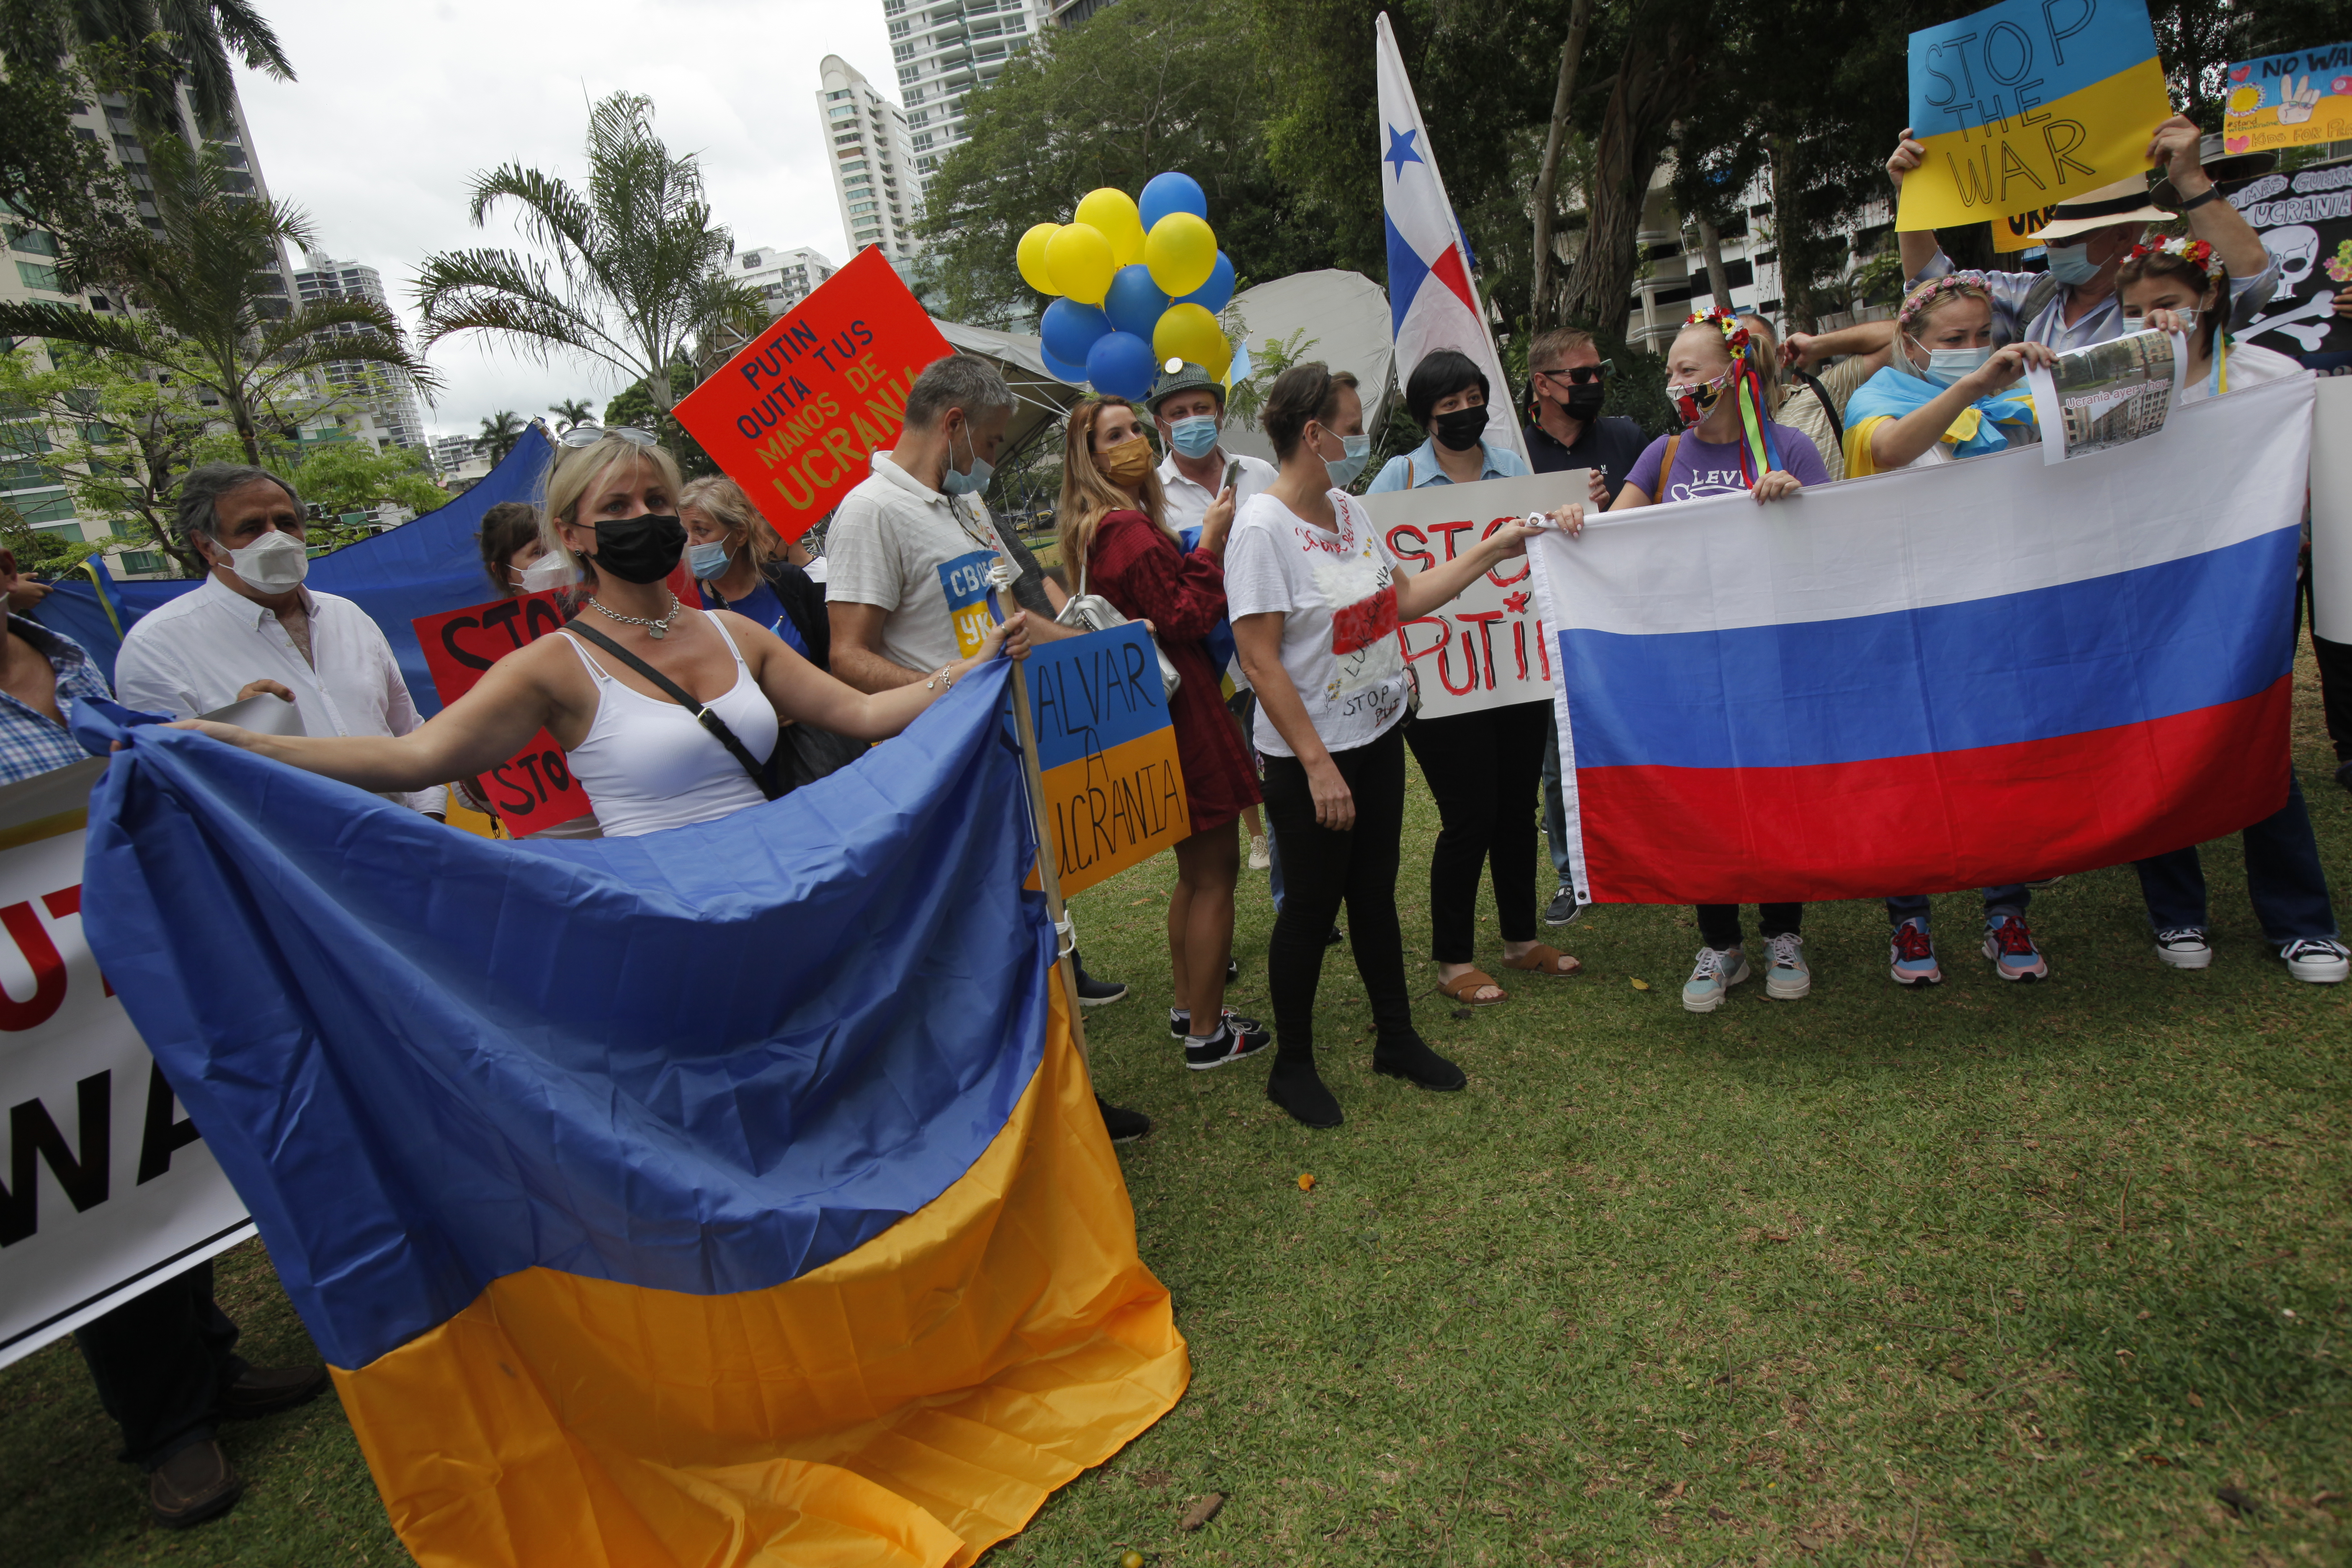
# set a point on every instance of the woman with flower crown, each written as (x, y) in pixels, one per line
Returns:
(1721, 374)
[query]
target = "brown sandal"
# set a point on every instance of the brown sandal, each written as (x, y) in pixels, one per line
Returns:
(1542, 959)
(1460, 987)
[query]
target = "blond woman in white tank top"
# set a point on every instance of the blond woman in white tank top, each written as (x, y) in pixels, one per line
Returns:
(645, 761)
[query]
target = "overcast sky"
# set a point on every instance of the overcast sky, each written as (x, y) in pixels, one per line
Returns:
(396, 106)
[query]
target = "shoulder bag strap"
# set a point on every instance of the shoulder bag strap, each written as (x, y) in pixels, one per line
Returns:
(677, 694)
(1828, 404)
(1666, 464)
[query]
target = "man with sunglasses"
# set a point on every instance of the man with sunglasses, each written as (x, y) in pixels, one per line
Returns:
(1567, 382)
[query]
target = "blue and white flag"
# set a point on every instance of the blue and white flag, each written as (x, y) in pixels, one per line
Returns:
(1433, 303)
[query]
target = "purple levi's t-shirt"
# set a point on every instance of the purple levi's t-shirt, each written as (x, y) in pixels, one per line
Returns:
(1712, 468)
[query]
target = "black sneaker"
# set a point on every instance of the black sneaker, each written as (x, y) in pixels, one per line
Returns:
(1334, 940)
(1412, 1060)
(1235, 1039)
(1295, 1086)
(1093, 992)
(1563, 908)
(1180, 1023)
(1124, 1126)
(1233, 970)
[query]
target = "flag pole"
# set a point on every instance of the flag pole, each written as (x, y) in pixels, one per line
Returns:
(1049, 876)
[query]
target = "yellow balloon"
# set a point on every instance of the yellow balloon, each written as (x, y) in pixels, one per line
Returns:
(1078, 260)
(1112, 211)
(1181, 252)
(1190, 332)
(1031, 257)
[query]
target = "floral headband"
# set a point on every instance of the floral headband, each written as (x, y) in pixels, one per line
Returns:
(1760, 447)
(1927, 295)
(2180, 247)
(1736, 336)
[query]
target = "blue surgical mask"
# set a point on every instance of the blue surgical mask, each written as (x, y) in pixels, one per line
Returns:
(1195, 435)
(1946, 367)
(970, 481)
(2071, 264)
(1354, 450)
(706, 560)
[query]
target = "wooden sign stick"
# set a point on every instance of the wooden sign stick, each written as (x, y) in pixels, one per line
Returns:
(1048, 877)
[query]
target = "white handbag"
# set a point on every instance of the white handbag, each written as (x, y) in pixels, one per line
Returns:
(1092, 613)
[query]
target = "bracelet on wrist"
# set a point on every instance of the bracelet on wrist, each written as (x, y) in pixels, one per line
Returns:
(2190, 204)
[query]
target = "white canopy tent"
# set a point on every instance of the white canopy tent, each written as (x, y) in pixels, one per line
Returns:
(1345, 317)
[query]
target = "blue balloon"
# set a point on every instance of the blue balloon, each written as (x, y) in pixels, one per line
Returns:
(1218, 291)
(1071, 329)
(1171, 193)
(1135, 302)
(1075, 374)
(1121, 365)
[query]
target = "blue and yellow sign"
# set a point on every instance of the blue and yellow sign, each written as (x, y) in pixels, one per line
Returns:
(1106, 748)
(964, 581)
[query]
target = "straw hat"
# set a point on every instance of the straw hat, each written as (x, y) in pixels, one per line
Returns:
(2125, 201)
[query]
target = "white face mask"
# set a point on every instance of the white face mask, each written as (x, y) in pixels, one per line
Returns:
(272, 564)
(548, 571)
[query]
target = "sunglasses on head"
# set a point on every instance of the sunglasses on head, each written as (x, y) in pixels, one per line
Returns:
(1582, 375)
(589, 434)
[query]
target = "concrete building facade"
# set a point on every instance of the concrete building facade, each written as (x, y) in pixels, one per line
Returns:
(783, 278)
(873, 161)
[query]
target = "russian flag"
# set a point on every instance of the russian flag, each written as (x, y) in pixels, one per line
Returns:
(1433, 303)
(723, 1196)
(1959, 676)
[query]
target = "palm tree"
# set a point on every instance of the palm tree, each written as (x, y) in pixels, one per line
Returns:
(572, 411)
(634, 258)
(166, 43)
(208, 319)
(500, 431)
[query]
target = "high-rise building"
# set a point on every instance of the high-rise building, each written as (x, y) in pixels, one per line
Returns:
(29, 481)
(872, 163)
(783, 278)
(385, 393)
(943, 50)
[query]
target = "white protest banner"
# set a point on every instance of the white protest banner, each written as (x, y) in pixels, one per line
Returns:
(109, 1191)
(2331, 511)
(1487, 648)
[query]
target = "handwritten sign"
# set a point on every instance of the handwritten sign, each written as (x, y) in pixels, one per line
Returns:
(2029, 103)
(964, 581)
(2016, 232)
(1486, 648)
(1106, 750)
(2304, 220)
(533, 789)
(2299, 99)
(796, 416)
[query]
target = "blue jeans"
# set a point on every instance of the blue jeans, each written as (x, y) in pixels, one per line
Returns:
(1998, 902)
(2283, 880)
(1555, 805)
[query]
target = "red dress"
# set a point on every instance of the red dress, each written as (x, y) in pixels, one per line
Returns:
(1149, 577)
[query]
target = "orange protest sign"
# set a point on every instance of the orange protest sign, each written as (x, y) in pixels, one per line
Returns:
(795, 417)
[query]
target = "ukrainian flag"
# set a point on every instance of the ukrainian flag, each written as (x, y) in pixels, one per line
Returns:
(2029, 103)
(730, 1195)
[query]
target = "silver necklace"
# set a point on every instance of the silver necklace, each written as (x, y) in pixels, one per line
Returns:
(656, 629)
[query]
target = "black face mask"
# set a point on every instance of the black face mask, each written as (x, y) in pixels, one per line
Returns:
(1459, 431)
(639, 549)
(1584, 402)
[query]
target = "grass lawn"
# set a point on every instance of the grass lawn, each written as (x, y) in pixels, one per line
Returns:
(2033, 1275)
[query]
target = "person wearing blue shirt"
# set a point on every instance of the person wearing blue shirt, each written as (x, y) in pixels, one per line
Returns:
(1484, 769)
(739, 561)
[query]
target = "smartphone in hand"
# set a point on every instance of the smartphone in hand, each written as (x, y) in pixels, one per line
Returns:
(1233, 474)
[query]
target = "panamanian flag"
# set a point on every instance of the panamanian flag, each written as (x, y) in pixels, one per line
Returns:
(1433, 303)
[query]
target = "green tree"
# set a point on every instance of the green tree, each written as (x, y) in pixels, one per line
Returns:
(207, 315)
(1142, 86)
(344, 476)
(634, 406)
(631, 277)
(500, 433)
(569, 412)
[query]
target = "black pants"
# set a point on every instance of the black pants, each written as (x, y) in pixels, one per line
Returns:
(161, 1361)
(2336, 693)
(1320, 869)
(1485, 770)
(1719, 924)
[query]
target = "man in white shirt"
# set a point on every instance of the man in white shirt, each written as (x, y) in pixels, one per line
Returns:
(252, 628)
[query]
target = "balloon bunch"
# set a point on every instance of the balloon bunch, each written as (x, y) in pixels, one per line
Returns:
(1139, 283)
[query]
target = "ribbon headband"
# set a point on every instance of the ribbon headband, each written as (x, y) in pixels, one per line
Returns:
(2197, 253)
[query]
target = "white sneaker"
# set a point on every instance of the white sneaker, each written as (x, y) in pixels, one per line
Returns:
(2317, 960)
(1717, 970)
(1787, 978)
(1261, 853)
(2184, 948)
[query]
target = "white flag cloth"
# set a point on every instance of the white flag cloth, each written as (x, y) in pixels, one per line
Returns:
(1433, 303)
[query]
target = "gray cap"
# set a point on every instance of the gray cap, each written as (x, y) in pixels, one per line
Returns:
(1181, 376)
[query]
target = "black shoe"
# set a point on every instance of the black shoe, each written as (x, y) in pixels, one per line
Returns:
(1295, 1086)
(1563, 908)
(1335, 938)
(1180, 1023)
(1233, 970)
(194, 1485)
(266, 1390)
(1412, 1060)
(1093, 992)
(2344, 774)
(1236, 1038)
(1124, 1126)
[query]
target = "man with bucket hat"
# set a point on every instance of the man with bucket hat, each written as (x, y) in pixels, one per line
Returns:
(2088, 237)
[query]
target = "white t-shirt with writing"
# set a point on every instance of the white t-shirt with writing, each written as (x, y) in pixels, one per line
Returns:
(1337, 594)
